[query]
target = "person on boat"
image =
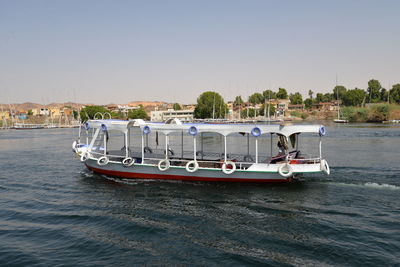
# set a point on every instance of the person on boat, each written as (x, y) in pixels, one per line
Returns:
(281, 148)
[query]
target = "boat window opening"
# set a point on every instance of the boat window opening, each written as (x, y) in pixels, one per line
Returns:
(98, 143)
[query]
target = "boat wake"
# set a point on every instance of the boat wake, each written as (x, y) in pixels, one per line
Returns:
(371, 185)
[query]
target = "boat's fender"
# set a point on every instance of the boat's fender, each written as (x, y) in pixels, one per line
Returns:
(74, 146)
(103, 161)
(192, 166)
(285, 172)
(325, 167)
(228, 170)
(84, 157)
(163, 165)
(127, 162)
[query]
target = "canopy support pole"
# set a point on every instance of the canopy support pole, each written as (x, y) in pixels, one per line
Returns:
(79, 134)
(248, 144)
(126, 144)
(271, 145)
(105, 143)
(182, 145)
(166, 146)
(202, 151)
(225, 156)
(320, 148)
(142, 148)
(256, 150)
(194, 148)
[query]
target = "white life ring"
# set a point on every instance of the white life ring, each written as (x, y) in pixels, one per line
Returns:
(285, 173)
(84, 157)
(127, 162)
(225, 167)
(103, 161)
(325, 167)
(192, 166)
(163, 165)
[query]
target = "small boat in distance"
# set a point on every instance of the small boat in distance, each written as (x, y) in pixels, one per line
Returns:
(339, 120)
(27, 126)
(198, 152)
(33, 126)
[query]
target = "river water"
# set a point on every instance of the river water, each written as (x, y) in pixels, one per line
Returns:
(54, 212)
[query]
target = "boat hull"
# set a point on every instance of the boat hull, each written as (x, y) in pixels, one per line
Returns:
(143, 171)
(340, 121)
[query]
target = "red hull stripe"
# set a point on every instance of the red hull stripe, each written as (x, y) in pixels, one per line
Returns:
(134, 175)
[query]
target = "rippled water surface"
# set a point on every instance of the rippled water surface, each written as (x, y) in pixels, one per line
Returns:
(54, 212)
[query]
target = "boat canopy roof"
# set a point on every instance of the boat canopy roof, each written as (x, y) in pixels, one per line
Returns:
(195, 128)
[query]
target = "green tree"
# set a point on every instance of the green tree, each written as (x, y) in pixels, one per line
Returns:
(328, 97)
(256, 98)
(384, 94)
(395, 94)
(282, 94)
(354, 97)
(75, 114)
(308, 103)
(238, 101)
(139, 113)
(339, 91)
(374, 88)
(268, 94)
(248, 113)
(117, 115)
(30, 112)
(319, 98)
(272, 109)
(89, 112)
(208, 102)
(176, 106)
(310, 94)
(296, 98)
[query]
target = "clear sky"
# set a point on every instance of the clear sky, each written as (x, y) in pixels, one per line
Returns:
(121, 51)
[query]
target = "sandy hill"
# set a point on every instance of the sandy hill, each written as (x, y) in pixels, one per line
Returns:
(147, 103)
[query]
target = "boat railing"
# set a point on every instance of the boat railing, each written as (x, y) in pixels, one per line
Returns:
(205, 164)
(305, 161)
(206, 160)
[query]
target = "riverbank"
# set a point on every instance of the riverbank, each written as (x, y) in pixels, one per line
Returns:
(373, 113)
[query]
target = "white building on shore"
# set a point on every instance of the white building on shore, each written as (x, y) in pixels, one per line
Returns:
(163, 115)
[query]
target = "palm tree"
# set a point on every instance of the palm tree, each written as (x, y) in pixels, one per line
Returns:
(310, 94)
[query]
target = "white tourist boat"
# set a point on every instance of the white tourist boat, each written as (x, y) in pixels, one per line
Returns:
(199, 152)
(27, 126)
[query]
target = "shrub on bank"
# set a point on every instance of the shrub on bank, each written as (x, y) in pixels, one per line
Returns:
(375, 113)
(378, 113)
(355, 114)
(299, 114)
